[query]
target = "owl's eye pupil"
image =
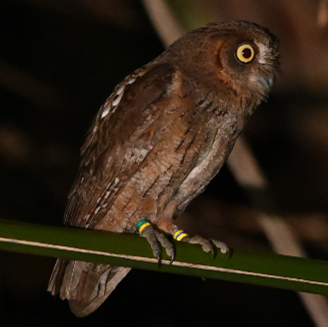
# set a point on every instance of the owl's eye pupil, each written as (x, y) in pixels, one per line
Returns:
(245, 53)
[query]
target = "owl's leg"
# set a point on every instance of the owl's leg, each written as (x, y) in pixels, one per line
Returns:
(156, 238)
(167, 224)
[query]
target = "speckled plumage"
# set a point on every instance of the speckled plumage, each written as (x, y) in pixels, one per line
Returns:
(158, 140)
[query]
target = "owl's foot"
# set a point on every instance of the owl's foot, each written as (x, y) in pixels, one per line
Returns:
(207, 245)
(156, 238)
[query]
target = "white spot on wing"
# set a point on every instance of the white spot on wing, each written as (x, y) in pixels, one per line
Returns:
(117, 100)
(132, 80)
(105, 112)
(111, 107)
(120, 90)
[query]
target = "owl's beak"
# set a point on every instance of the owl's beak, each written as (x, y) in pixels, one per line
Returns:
(267, 82)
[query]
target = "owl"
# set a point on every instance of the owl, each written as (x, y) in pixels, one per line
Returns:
(156, 143)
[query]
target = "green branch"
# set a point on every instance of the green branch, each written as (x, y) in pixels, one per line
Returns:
(292, 273)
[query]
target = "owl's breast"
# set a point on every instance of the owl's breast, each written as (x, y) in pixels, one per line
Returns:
(189, 143)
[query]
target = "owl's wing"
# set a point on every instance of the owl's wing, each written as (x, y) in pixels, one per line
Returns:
(125, 131)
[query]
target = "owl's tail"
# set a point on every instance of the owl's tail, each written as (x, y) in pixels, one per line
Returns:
(85, 285)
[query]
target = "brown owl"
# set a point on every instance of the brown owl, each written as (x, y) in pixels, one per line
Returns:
(156, 143)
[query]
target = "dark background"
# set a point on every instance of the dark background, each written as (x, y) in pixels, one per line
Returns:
(59, 61)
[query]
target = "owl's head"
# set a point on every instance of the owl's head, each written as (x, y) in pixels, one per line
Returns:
(237, 57)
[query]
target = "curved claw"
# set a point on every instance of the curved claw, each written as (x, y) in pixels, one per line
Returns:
(150, 236)
(221, 245)
(155, 239)
(167, 245)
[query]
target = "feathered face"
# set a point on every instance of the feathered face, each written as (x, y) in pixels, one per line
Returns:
(239, 55)
(250, 61)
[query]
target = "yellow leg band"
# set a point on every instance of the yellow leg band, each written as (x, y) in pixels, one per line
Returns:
(179, 235)
(143, 226)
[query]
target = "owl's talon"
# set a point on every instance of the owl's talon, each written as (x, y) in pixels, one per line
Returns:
(206, 244)
(156, 238)
(221, 245)
(167, 245)
(149, 233)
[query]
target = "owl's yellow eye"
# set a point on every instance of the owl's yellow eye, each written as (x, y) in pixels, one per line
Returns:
(245, 53)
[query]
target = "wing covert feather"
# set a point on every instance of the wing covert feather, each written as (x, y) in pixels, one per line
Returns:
(109, 162)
